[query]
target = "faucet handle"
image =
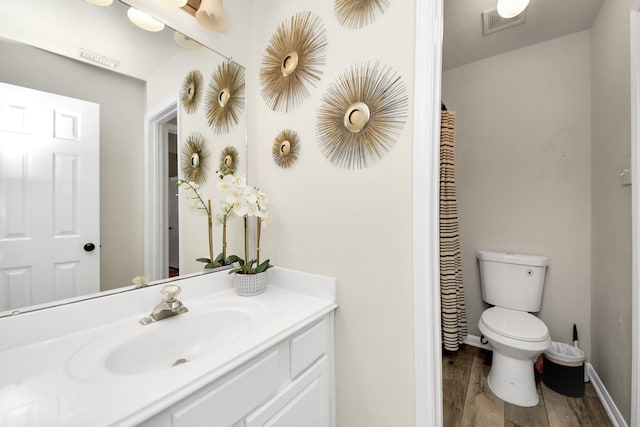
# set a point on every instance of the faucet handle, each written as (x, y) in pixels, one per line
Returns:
(170, 292)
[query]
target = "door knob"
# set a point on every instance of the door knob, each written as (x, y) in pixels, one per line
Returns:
(89, 247)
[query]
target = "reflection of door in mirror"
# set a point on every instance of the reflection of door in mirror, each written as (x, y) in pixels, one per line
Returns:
(49, 197)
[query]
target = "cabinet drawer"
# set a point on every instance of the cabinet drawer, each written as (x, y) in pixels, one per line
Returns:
(229, 402)
(302, 403)
(307, 347)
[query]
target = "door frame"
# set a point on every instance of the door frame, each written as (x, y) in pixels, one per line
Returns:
(155, 197)
(427, 91)
(167, 129)
(635, 212)
(426, 240)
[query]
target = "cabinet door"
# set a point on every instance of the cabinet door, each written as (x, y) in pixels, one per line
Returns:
(302, 403)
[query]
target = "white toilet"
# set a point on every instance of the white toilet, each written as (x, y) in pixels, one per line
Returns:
(513, 284)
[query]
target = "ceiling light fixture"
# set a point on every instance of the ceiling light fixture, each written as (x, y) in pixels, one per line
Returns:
(144, 21)
(210, 15)
(175, 3)
(185, 42)
(100, 2)
(511, 8)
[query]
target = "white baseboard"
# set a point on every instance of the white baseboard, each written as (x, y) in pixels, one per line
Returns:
(475, 341)
(605, 398)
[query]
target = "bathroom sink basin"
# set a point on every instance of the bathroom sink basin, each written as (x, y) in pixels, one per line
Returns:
(134, 349)
(178, 340)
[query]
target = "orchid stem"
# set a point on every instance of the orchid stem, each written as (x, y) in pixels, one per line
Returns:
(224, 238)
(209, 220)
(258, 224)
(246, 244)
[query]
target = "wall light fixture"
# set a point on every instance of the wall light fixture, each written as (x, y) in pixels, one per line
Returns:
(210, 15)
(511, 8)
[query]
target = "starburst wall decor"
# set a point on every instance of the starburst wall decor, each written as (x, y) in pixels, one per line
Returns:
(358, 13)
(293, 60)
(191, 92)
(194, 155)
(228, 161)
(361, 114)
(225, 97)
(285, 148)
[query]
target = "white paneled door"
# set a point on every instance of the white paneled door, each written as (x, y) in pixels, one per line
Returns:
(49, 197)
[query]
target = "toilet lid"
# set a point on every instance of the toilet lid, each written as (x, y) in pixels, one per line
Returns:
(514, 324)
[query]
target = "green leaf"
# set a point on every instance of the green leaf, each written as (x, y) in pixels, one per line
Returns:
(235, 270)
(233, 258)
(220, 258)
(205, 260)
(263, 267)
(213, 265)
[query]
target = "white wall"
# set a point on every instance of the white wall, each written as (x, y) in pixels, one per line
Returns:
(523, 171)
(611, 202)
(351, 224)
(121, 149)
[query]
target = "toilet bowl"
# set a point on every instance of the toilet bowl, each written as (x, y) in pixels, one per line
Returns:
(517, 338)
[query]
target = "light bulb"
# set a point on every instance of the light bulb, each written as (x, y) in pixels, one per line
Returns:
(210, 15)
(144, 21)
(100, 2)
(510, 8)
(185, 42)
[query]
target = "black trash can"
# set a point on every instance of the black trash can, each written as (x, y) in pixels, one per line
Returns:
(563, 369)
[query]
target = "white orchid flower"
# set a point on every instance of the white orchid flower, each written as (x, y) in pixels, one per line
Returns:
(265, 219)
(241, 208)
(240, 181)
(226, 184)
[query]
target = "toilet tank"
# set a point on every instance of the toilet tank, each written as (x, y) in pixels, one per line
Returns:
(512, 280)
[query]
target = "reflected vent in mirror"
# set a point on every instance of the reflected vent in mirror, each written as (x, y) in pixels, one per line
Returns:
(492, 22)
(96, 58)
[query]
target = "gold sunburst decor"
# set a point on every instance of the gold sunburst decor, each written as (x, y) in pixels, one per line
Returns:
(286, 148)
(361, 114)
(358, 13)
(191, 92)
(194, 158)
(225, 97)
(293, 60)
(228, 161)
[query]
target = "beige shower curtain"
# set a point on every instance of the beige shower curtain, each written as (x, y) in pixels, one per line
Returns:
(454, 316)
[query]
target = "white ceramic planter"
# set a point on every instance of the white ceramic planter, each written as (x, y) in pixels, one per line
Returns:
(250, 284)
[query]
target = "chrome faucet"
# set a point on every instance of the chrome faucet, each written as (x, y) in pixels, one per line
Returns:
(169, 307)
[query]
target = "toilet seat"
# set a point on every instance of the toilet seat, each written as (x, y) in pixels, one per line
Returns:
(518, 325)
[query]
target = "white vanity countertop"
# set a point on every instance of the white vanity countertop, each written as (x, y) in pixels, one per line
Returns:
(59, 378)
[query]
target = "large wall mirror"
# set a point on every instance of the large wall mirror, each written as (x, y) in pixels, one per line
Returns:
(74, 50)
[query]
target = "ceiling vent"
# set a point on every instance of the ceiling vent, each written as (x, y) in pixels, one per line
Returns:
(492, 22)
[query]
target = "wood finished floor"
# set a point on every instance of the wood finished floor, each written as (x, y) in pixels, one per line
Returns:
(469, 402)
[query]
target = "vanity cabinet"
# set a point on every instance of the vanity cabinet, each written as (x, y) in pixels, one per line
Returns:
(289, 384)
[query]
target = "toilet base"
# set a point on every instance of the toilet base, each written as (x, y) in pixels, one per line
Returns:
(513, 380)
